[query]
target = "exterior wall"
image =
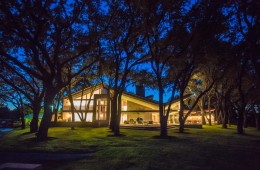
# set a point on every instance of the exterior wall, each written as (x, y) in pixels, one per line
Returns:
(67, 117)
(133, 107)
(126, 118)
(156, 118)
(86, 98)
(86, 103)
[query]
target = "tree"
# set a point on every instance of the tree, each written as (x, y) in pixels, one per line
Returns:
(206, 26)
(55, 34)
(123, 52)
(163, 23)
(79, 84)
(27, 86)
(201, 81)
(247, 24)
(17, 100)
(242, 88)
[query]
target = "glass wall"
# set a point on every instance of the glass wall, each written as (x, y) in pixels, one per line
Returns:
(101, 109)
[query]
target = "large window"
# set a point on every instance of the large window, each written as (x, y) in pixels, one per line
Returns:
(85, 104)
(101, 109)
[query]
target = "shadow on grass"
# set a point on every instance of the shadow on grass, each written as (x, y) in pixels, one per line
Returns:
(120, 135)
(245, 134)
(27, 133)
(176, 139)
(35, 140)
(164, 137)
(186, 131)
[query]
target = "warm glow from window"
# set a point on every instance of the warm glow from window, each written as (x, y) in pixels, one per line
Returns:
(77, 119)
(123, 118)
(89, 117)
(124, 105)
(77, 103)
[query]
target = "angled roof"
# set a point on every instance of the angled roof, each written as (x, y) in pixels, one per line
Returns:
(132, 95)
(177, 99)
(86, 90)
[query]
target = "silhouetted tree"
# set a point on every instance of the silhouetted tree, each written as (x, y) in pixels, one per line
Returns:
(207, 25)
(245, 39)
(28, 86)
(43, 37)
(123, 46)
(163, 24)
(17, 100)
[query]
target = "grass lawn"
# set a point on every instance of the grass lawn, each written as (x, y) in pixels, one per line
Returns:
(207, 148)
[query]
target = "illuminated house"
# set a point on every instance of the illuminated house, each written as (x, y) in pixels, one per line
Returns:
(92, 107)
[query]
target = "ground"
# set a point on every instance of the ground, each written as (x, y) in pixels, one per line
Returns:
(96, 148)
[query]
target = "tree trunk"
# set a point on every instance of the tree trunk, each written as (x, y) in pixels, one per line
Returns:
(240, 121)
(163, 130)
(118, 116)
(203, 117)
(224, 112)
(203, 120)
(34, 123)
(181, 128)
(113, 113)
(223, 119)
(181, 121)
(245, 121)
(219, 117)
(55, 115)
(116, 127)
(210, 124)
(228, 120)
(72, 119)
(46, 119)
(22, 117)
(218, 110)
(224, 124)
(181, 115)
(241, 111)
(35, 119)
(163, 119)
(209, 108)
(22, 113)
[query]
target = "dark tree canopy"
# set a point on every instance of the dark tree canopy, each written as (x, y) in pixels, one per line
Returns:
(208, 48)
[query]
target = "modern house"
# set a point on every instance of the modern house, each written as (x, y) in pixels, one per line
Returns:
(92, 107)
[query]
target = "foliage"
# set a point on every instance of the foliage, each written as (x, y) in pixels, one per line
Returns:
(57, 36)
(207, 48)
